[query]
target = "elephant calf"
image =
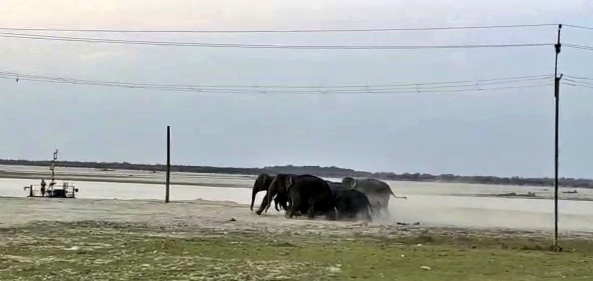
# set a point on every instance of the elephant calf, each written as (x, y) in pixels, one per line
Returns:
(351, 203)
(378, 192)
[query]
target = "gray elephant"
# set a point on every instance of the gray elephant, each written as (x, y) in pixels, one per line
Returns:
(307, 194)
(351, 203)
(335, 185)
(262, 183)
(377, 191)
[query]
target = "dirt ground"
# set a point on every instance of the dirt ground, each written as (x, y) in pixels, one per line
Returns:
(108, 239)
(203, 216)
(89, 239)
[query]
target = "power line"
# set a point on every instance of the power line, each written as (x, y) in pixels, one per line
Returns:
(276, 31)
(578, 77)
(476, 82)
(579, 82)
(578, 85)
(261, 46)
(578, 26)
(582, 47)
(514, 79)
(366, 89)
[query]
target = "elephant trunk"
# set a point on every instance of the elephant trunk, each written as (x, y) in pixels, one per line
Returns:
(257, 187)
(253, 193)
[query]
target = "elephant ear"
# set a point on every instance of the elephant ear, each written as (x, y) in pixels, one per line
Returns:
(289, 181)
(348, 182)
(352, 182)
(267, 180)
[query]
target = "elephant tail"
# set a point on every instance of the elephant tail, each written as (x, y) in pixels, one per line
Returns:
(395, 196)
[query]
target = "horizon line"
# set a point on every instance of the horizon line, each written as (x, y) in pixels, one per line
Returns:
(285, 165)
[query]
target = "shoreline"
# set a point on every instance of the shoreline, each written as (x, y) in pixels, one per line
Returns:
(140, 179)
(134, 179)
(333, 172)
(110, 179)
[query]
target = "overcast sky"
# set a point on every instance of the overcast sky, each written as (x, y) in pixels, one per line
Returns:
(501, 133)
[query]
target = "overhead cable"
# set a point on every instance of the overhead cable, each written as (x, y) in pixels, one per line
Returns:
(582, 47)
(274, 31)
(262, 46)
(478, 85)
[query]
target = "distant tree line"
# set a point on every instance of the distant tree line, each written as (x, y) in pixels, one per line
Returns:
(334, 172)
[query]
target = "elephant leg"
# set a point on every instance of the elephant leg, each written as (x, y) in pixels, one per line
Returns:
(342, 209)
(379, 211)
(299, 209)
(384, 203)
(262, 206)
(311, 211)
(376, 211)
(331, 215)
(284, 205)
(296, 202)
(339, 213)
(278, 201)
(386, 212)
(367, 214)
(366, 210)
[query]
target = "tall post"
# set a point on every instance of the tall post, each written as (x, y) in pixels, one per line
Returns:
(52, 168)
(556, 117)
(168, 179)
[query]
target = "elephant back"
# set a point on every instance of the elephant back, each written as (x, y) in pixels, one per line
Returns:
(372, 186)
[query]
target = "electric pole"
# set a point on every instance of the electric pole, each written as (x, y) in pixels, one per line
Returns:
(557, 78)
(168, 176)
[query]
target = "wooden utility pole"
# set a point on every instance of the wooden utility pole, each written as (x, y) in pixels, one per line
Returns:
(556, 117)
(168, 179)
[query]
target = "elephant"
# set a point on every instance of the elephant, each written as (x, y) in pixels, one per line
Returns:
(332, 185)
(261, 184)
(377, 191)
(306, 192)
(335, 185)
(350, 203)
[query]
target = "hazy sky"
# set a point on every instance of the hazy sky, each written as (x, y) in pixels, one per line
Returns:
(490, 133)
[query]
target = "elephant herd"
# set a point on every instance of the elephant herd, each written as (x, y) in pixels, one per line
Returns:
(307, 194)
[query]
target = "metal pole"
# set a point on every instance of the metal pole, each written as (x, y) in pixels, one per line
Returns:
(168, 164)
(52, 168)
(556, 117)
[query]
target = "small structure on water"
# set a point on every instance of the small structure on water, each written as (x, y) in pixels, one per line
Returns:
(65, 190)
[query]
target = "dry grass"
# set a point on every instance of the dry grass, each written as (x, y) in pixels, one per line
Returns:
(110, 251)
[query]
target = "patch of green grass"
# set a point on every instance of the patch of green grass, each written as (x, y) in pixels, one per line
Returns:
(62, 253)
